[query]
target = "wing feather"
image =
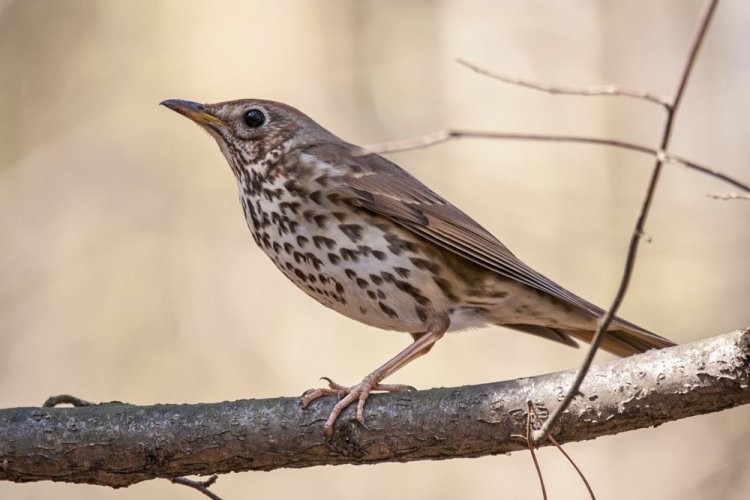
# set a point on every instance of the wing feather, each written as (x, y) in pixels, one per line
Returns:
(380, 186)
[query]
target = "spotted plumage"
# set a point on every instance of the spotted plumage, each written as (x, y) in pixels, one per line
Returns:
(363, 237)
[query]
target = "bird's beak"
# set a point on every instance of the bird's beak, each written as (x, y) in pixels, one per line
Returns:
(192, 110)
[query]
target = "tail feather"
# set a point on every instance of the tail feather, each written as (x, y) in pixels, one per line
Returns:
(624, 339)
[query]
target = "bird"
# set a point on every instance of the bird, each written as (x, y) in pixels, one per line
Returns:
(362, 236)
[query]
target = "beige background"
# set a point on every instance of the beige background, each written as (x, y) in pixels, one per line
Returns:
(127, 271)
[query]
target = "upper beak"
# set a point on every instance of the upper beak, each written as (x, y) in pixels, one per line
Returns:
(192, 110)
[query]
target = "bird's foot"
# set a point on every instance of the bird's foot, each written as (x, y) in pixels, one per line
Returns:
(347, 395)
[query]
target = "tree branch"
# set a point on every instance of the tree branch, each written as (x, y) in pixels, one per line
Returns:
(117, 444)
(435, 138)
(554, 89)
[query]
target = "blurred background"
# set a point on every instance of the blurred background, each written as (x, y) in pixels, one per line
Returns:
(127, 272)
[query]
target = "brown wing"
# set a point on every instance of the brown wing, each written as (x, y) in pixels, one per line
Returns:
(385, 188)
(378, 185)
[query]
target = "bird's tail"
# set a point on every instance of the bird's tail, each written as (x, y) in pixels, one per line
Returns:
(622, 339)
(625, 339)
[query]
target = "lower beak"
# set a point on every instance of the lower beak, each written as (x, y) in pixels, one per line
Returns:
(192, 110)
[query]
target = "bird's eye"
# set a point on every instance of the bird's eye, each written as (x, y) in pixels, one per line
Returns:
(255, 118)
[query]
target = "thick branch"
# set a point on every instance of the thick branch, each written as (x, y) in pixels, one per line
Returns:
(117, 444)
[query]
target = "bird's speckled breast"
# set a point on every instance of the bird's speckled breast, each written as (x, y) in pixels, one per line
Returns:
(354, 262)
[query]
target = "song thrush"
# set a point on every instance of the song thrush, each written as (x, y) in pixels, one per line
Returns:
(365, 238)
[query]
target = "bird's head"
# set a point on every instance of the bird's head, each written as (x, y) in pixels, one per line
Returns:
(253, 133)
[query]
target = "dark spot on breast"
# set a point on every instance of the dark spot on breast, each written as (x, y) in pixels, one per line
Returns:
(320, 220)
(321, 241)
(308, 215)
(371, 294)
(339, 288)
(364, 250)
(300, 274)
(323, 279)
(350, 273)
(398, 245)
(265, 219)
(315, 197)
(299, 257)
(378, 254)
(349, 254)
(270, 194)
(292, 207)
(362, 283)
(288, 247)
(390, 312)
(381, 294)
(276, 247)
(388, 277)
(314, 260)
(421, 314)
(413, 291)
(425, 264)
(333, 258)
(322, 180)
(295, 189)
(340, 216)
(363, 309)
(404, 273)
(376, 279)
(445, 287)
(302, 240)
(352, 231)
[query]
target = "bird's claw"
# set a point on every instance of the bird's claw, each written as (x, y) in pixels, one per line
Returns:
(347, 395)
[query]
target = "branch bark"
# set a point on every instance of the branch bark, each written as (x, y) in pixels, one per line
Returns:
(118, 444)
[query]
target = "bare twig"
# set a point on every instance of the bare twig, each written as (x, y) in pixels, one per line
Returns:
(606, 319)
(596, 90)
(532, 409)
(202, 486)
(531, 445)
(447, 135)
(729, 196)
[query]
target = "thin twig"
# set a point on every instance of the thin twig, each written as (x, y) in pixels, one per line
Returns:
(531, 445)
(729, 196)
(447, 135)
(552, 440)
(606, 319)
(594, 90)
(201, 486)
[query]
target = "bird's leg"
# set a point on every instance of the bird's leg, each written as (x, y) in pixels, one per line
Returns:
(360, 392)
